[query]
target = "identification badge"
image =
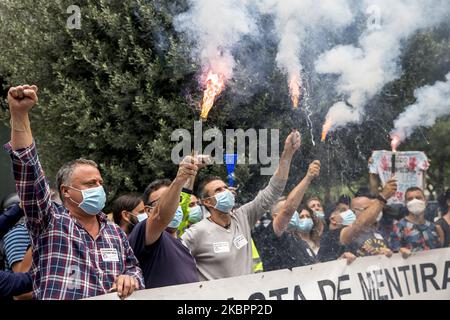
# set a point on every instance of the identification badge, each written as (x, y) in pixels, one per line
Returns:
(240, 242)
(221, 247)
(378, 236)
(109, 255)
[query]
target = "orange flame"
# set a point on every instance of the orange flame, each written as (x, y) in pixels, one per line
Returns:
(326, 128)
(395, 142)
(215, 83)
(295, 83)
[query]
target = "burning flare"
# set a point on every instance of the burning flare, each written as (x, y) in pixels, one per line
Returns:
(326, 128)
(295, 83)
(395, 142)
(215, 83)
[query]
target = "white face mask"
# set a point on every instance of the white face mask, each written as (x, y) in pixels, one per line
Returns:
(380, 216)
(416, 206)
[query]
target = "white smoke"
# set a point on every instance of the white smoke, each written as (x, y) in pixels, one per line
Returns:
(432, 103)
(294, 20)
(365, 69)
(216, 26)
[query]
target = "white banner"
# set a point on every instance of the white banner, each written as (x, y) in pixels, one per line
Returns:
(424, 275)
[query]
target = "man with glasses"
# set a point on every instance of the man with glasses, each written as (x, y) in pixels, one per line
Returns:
(164, 259)
(361, 237)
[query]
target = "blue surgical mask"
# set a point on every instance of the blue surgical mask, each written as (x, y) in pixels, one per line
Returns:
(142, 216)
(305, 225)
(195, 214)
(224, 201)
(348, 217)
(176, 221)
(320, 215)
(295, 221)
(94, 200)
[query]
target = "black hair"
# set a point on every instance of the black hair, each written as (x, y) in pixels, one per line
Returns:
(345, 199)
(152, 187)
(364, 192)
(201, 187)
(125, 202)
(412, 189)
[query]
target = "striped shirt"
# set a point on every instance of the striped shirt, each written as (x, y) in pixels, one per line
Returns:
(67, 262)
(16, 243)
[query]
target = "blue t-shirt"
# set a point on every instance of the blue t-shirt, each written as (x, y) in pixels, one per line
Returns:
(16, 243)
(167, 262)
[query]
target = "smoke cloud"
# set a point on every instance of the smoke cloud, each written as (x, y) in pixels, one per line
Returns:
(295, 21)
(364, 69)
(433, 102)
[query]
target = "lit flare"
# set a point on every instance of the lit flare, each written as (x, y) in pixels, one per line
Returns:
(295, 83)
(326, 128)
(215, 83)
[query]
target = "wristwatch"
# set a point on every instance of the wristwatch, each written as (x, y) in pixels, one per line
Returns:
(382, 199)
(188, 191)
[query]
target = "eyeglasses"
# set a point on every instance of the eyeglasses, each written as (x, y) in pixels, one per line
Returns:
(153, 203)
(360, 209)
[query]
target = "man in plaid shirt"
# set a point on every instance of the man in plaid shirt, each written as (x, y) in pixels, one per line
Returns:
(77, 252)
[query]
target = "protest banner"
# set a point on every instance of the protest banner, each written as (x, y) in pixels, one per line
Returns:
(424, 275)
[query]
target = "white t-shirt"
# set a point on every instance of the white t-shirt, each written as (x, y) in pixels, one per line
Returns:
(222, 253)
(410, 168)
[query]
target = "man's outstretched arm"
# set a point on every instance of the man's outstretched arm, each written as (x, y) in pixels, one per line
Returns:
(31, 184)
(294, 199)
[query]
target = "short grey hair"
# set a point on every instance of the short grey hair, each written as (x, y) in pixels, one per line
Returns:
(64, 175)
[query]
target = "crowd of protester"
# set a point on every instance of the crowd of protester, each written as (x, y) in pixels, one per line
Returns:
(59, 244)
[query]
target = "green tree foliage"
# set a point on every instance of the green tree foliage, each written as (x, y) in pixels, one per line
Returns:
(109, 92)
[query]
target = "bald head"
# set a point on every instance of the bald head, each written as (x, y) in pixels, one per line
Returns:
(359, 204)
(277, 207)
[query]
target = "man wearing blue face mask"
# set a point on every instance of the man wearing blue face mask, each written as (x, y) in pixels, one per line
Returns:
(330, 245)
(77, 252)
(221, 244)
(281, 244)
(164, 259)
(362, 237)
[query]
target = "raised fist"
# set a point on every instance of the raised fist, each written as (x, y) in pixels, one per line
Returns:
(293, 142)
(22, 98)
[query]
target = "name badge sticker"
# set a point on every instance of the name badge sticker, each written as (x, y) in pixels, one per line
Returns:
(240, 242)
(109, 255)
(221, 247)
